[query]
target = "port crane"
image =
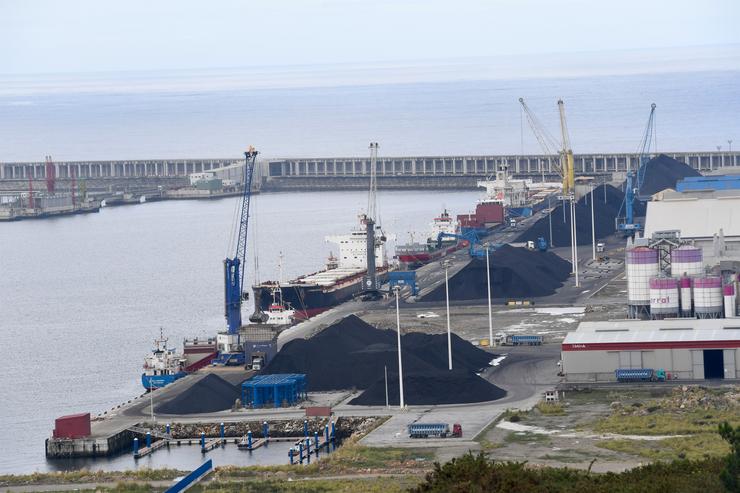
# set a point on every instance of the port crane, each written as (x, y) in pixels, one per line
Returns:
(626, 224)
(560, 155)
(229, 344)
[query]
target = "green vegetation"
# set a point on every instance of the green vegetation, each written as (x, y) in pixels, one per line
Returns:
(550, 409)
(472, 473)
(730, 474)
(360, 485)
(662, 422)
(85, 476)
(699, 446)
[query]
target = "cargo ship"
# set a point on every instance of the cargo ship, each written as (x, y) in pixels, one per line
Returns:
(163, 366)
(440, 242)
(344, 277)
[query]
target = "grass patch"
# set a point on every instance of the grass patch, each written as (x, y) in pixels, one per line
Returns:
(85, 476)
(525, 437)
(661, 422)
(550, 408)
(371, 485)
(695, 447)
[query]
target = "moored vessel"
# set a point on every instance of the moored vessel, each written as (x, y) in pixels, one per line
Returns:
(163, 366)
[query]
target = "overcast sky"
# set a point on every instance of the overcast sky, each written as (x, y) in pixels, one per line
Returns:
(51, 36)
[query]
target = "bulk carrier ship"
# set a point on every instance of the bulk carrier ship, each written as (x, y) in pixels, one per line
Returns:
(345, 276)
(440, 242)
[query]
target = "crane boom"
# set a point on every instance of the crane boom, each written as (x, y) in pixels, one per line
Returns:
(643, 151)
(234, 267)
(567, 161)
(547, 142)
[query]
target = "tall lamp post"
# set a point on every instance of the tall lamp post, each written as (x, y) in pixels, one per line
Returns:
(446, 265)
(397, 290)
(490, 313)
(593, 228)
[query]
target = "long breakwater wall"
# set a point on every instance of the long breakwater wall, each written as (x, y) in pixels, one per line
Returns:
(346, 172)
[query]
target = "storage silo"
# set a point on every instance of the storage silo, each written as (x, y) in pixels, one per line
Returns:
(687, 260)
(685, 287)
(641, 266)
(663, 298)
(729, 295)
(708, 301)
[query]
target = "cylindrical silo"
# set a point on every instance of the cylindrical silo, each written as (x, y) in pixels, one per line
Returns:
(685, 287)
(708, 301)
(729, 293)
(641, 266)
(663, 298)
(687, 260)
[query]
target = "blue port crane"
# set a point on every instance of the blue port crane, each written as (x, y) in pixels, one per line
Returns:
(234, 292)
(626, 224)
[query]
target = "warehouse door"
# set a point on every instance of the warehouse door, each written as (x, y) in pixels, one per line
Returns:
(697, 364)
(714, 363)
(730, 367)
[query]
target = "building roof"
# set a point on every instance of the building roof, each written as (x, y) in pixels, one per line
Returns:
(696, 214)
(648, 325)
(657, 334)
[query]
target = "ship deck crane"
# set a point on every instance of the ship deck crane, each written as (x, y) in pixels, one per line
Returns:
(626, 224)
(229, 345)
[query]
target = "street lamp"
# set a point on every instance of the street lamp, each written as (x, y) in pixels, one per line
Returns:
(397, 291)
(593, 228)
(729, 144)
(446, 265)
(490, 313)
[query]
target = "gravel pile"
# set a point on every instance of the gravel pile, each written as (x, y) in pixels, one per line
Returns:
(210, 394)
(353, 354)
(605, 212)
(515, 273)
(663, 172)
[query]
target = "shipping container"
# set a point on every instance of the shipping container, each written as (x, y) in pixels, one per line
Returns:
(72, 426)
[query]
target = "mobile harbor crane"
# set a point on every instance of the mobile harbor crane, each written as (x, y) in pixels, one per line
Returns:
(229, 345)
(626, 224)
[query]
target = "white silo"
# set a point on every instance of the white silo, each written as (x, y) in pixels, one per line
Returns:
(641, 266)
(729, 295)
(663, 298)
(686, 301)
(708, 301)
(687, 260)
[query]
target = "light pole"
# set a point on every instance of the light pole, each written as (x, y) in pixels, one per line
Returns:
(549, 219)
(490, 313)
(729, 144)
(593, 229)
(446, 265)
(397, 290)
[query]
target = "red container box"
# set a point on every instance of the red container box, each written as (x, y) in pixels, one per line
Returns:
(72, 426)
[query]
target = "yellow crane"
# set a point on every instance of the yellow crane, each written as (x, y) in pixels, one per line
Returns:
(560, 154)
(566, 154)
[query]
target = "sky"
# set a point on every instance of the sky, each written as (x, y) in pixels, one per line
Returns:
(84, 36)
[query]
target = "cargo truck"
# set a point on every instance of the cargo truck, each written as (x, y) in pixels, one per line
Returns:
(436, 430)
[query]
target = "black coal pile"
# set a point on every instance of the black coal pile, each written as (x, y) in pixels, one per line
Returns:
(608, 204)
(210, 394)
(515, 273)
(353, 354)
(436, 387)
(662, 172)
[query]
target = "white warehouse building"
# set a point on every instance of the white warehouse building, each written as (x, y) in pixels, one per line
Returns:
(687, 349)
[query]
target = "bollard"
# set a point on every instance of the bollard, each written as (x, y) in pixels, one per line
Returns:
(305, 427)
(202, 441)
(249, 440)
(300, 452)
(222, 431)
(148, 439)
(316, 442)
(136, 446)
(168, 430)
(290, 455)
(308, 450)
(265, 430)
